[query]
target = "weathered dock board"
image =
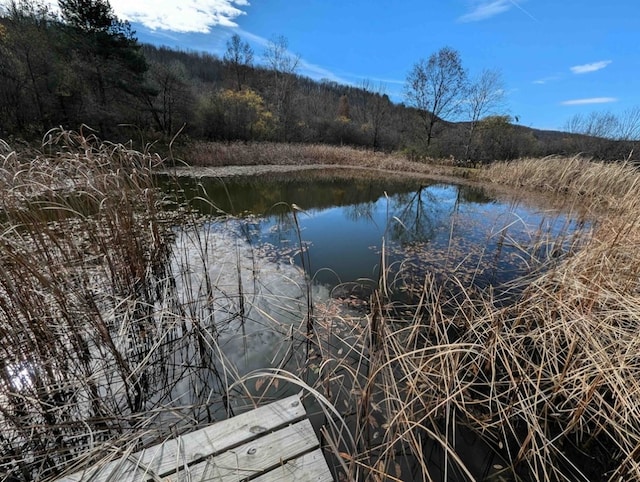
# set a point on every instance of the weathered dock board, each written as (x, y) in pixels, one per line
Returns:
(275, 442)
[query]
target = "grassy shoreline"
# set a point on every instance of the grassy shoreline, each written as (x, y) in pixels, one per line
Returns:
(550, 384)
(218, 154)
(552, 380)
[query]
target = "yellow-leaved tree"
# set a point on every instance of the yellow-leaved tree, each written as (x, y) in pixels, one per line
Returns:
(237, 115)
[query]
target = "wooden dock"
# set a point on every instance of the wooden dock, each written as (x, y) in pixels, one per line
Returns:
(275, 442)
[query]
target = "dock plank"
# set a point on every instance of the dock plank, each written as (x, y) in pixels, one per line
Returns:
(311, 467)
(166, 458)
(256, 457)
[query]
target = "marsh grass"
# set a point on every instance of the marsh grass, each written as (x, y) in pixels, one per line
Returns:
(114, 320)
(546, 387)
(216, 154)
(122, 323)
(82, 254)
(603, 184)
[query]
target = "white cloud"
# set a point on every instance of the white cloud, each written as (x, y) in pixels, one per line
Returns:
(591, 100)
(586, 68)
(178, 15)
(546, 80)
(181, 16)
(306, 68)
(484, 10)
(317, 72)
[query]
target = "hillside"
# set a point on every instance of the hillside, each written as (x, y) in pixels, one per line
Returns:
(56, 73)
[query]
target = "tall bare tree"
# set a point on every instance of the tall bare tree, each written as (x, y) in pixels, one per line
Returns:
(436, 87)
(595, 124)
(239, 57)
(596, 132)
(284, 65)
(170, 98)
(374, 107)
(485, 96)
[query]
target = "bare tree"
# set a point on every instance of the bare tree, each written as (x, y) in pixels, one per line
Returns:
(596, 132)
(374, 107)
(239, 57)
(284, 65)
(435, 87)
(485, 96)
(594, 124)
(629, 125)
(172, 98)
(278, 57)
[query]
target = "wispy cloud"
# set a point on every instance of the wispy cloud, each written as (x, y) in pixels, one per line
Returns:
(546, 80)
(592, 67)
(484, 9)
(314, 71)
(320, 73)
(591, 100)
(183, 16)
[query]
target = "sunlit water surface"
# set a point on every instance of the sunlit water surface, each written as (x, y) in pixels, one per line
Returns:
(340, 231)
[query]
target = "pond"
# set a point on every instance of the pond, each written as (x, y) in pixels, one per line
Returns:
(342, 233)
(343, 222)
(175, 341)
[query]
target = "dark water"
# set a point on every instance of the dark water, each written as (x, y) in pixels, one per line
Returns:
(425, 226)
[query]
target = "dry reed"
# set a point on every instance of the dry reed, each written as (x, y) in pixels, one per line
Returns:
(112, 309)
(216, 154)
(547, 387)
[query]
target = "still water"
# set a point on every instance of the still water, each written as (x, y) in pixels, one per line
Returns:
(349, 227)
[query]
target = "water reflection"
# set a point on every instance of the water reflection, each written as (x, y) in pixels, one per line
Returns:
(426, 226)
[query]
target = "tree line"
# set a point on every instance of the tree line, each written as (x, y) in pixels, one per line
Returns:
(84, 66)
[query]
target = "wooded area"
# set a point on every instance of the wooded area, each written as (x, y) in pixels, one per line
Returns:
(84, 66)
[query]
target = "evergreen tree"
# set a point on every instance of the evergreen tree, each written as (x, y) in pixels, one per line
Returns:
(113, 65)
(88, 15)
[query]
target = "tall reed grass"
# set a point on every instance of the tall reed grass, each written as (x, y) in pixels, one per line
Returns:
(217, 154)
(120, 322)
(466, 388)
(82, 253)
(109, 340)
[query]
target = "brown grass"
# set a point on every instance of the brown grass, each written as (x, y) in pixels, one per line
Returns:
(549, 385)
(112, 309)
(216, 154)
(607, 184)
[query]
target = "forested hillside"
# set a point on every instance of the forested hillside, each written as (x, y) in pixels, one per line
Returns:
(84, 66)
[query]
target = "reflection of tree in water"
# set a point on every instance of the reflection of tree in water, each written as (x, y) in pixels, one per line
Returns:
(276, 236)
(434, 237)
(258, 194)
(416, 220)
(363, 211)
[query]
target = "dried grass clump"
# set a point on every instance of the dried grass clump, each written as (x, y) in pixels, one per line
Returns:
(214, 154)
(122, 323)
(607, 183)
(82, 251)
(546, 388)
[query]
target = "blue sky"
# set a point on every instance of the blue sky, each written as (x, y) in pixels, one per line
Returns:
(557, 58)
